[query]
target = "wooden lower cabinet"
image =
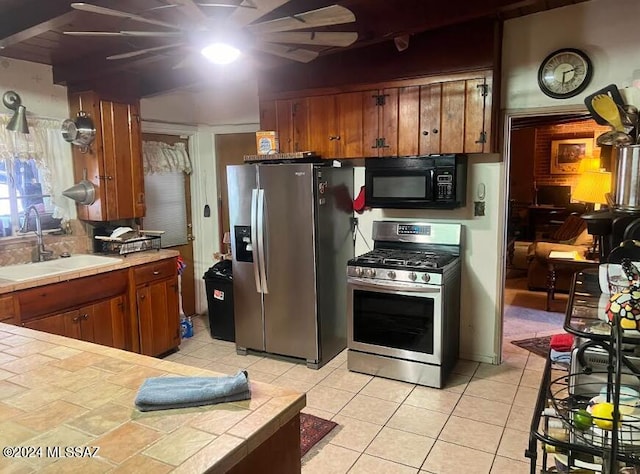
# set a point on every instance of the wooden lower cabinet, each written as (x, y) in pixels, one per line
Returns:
(158, 317)
(135, 309)
(101, 323)
(157, 307)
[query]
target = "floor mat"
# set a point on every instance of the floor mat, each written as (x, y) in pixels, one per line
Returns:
(312, 430)
(537, 345)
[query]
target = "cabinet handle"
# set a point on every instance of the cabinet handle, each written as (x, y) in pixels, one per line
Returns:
(156, 272)
(425, 132)
(76, 319)
(334, 137)
(435, 130)
(106, 177)
(85, 316)
(142, 297)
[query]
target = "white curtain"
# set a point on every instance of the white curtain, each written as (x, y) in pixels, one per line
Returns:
(161, 157)
(43, 143)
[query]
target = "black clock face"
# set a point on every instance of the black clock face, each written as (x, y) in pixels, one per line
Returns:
(564, 73)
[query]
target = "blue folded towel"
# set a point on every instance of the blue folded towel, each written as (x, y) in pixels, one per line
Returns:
(162, 393)
(560, 357)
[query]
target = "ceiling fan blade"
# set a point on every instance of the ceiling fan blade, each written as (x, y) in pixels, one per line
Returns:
(331, 15)
(139, 52)
(226, 5)
(151, 34)
(322, 38)
(93, 33)
(87, 7)
(244, 16)
(297, 54)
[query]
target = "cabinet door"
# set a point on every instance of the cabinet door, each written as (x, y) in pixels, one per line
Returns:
(158, 316)
(63, 324)
(284, 121)
(324, 135)
(268, 117)
(408, 120)
(104, 322)
(380, 122)
(7, 310)
(123, 179)
(349, 111)
(477, 117)
(452, 113)
(389, 123)
(370, 123)
(430, 104)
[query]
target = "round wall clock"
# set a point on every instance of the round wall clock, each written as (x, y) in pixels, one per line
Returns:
(565, 73)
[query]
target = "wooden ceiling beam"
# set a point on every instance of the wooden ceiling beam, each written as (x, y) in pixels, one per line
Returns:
(88, 68)
(32, 18)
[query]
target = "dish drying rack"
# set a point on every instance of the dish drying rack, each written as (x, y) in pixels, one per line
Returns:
(147, 240)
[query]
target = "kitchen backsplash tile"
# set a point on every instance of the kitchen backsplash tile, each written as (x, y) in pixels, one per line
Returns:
(21, 250)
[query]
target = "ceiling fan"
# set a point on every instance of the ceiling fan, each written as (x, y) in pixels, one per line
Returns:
(291, 37)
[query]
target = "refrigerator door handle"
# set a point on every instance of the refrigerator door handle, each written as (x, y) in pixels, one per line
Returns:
(261, 246)
(254, 238)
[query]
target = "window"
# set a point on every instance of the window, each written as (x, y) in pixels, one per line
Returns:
(21, 187)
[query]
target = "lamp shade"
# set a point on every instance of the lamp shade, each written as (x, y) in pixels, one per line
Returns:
(593, 187)
(18, 122)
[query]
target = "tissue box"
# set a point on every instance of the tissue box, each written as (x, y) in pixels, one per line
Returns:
(267, 142)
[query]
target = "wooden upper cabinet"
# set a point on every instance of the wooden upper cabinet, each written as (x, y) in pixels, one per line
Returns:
(380, 122)
(114, 161)
(418, 117)
(429, 128)
(324, 134)
(292, 124)
(268, 117)
(477, 117)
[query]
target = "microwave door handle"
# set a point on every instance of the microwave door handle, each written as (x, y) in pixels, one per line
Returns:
(254, 238)
(433, 184)
(261, 235)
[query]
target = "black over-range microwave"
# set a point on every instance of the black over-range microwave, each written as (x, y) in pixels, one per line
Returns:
(434, 181)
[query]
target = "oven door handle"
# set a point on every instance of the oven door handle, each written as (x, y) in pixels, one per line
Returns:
(419, 288)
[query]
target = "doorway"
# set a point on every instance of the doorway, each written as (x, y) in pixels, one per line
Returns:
(528, 171)
(184, 243)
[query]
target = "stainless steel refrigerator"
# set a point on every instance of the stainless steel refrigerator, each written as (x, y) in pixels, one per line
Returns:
(291, 237)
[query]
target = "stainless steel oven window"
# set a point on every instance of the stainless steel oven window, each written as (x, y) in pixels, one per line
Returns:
(415, 310)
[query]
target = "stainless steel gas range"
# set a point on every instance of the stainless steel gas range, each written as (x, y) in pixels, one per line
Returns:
(403, 303)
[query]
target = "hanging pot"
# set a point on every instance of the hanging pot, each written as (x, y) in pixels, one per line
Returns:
(80, 132)
(83, 192)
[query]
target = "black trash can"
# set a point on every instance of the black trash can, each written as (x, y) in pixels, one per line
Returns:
(218, 281)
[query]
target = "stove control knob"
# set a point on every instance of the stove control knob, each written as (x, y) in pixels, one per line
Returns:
(412, 276)
(392, 275)
(426, 278)
(371, 272)
(358, 271)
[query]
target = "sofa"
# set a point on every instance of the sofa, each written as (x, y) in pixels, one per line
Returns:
(571, 236)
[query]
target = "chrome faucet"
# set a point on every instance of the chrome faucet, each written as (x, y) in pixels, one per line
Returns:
(43, 254)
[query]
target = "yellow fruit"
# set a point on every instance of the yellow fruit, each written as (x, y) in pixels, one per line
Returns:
(603, 415)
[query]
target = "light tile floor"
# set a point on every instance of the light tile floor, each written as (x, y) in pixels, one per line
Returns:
(478, 424)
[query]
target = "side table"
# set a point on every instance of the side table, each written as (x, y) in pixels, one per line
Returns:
(553, 264)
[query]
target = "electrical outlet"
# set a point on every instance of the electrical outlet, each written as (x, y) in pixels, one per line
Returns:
(478, 208)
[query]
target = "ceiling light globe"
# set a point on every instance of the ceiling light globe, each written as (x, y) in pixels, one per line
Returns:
(220, 53)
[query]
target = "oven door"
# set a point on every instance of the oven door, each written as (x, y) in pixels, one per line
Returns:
(397, 319)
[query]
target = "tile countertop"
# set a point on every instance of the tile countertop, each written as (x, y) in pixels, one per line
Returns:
(61, 392)
(137, 258)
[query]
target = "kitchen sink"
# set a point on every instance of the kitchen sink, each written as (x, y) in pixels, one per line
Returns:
(29, 271)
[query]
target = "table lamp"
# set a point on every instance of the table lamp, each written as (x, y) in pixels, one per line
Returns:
(592, 188)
